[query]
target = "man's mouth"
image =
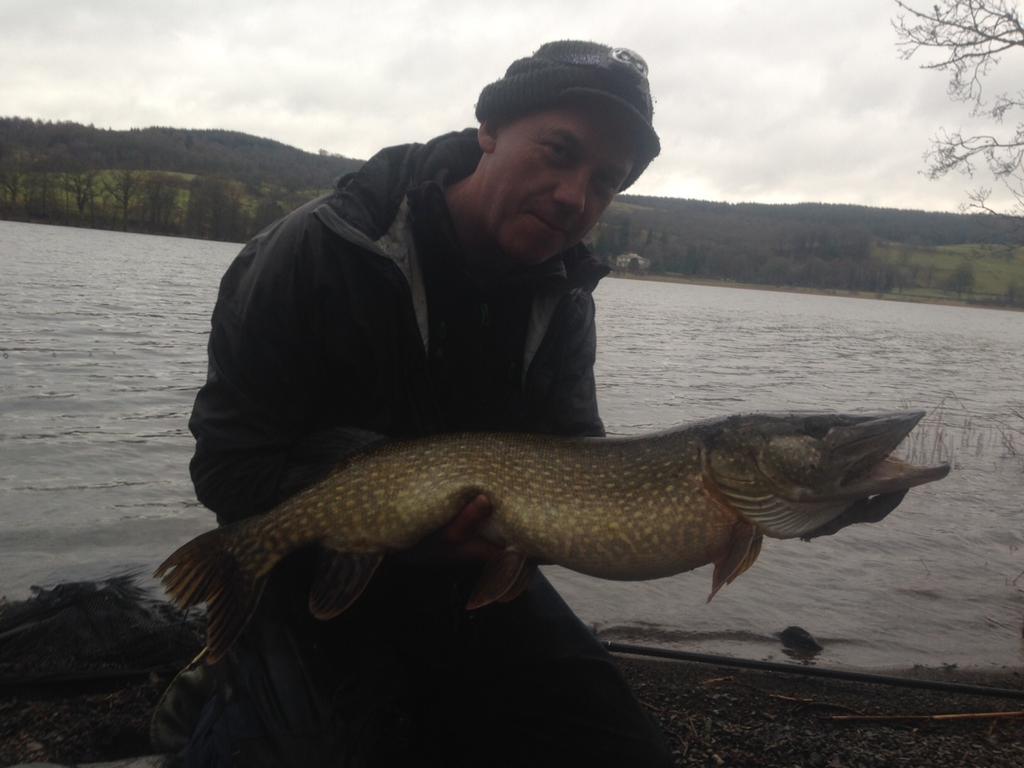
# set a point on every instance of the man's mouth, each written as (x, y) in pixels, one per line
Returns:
(559, 228)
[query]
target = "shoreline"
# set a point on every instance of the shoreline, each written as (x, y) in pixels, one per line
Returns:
(899, 298)
(714, 716)
(72, 695)
(648, 277)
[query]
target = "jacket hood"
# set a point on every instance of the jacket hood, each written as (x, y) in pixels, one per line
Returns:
(370, 198)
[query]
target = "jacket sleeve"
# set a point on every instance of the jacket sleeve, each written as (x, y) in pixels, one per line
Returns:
(572, 396)
(254, 420)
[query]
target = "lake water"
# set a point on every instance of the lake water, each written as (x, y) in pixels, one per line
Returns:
(102, 347)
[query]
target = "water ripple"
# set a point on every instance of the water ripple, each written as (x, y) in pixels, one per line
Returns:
(102, 346)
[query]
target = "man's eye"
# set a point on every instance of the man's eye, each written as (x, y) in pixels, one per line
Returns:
(558, 151)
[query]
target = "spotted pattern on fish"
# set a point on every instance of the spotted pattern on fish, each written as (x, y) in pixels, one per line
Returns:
(616, 508)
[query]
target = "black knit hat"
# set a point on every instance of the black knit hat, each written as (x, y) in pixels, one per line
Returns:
(575, 67)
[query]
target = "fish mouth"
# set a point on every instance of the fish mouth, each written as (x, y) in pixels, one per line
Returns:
(891, 475)
(862, 450)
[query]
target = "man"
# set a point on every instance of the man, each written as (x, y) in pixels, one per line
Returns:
(442, 287)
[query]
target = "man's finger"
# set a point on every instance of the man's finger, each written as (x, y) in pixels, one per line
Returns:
(463, 527)
(460, 539)
(875, 508)
(869, 510)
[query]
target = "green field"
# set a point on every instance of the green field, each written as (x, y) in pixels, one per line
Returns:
(998, 275)
(997, 271)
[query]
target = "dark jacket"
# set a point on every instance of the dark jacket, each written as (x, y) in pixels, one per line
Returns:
(330, 326)
(353, 317)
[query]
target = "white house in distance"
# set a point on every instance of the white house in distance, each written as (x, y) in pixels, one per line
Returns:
(632, 262)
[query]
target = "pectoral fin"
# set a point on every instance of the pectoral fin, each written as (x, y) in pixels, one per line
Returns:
(500, 577)
(340, 578)
(741, 552)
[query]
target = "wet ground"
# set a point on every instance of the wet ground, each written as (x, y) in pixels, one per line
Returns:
(82, 666)
(717, 716)
(712, 716)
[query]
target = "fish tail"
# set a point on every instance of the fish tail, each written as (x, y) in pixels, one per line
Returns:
(205, 570)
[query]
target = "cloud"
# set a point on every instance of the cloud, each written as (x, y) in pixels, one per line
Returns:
(773, 101)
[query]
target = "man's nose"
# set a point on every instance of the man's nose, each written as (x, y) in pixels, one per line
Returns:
(571, 191)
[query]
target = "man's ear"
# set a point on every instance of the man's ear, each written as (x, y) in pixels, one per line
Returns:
(487, 136)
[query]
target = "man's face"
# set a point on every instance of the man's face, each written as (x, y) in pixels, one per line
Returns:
(549, 176)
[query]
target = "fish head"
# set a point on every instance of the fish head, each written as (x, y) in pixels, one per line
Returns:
(789, 474)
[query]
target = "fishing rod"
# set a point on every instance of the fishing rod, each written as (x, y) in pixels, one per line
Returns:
(629, 649)
(793, 669)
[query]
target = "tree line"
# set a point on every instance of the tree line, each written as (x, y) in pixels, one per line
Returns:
(212, 184)
(153, 202)
(812, 245)
(227, 186)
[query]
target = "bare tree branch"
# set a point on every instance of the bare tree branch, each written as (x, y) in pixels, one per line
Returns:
(967, 38)
(970, 34)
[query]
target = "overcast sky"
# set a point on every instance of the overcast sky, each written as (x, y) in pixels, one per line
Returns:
(766, 101)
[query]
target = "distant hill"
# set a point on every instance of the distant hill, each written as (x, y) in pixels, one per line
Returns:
(893, 224)
(227, 185)
(215, 184)
(51, 146)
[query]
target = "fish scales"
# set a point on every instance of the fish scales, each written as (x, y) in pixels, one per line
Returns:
(617, 508)
(594, 506)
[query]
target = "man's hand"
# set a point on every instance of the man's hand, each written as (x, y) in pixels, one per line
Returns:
(869, 510)
(460, 539)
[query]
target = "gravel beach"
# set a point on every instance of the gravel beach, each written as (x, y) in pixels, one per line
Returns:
(83, 665)
(712, 716)
(719, 716)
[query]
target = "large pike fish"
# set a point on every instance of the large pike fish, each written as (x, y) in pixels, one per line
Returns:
(617, 508)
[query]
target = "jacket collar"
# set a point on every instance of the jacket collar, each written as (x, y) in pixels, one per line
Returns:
(365, 204)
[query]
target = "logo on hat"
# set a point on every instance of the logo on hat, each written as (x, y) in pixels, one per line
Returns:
(631, 59)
